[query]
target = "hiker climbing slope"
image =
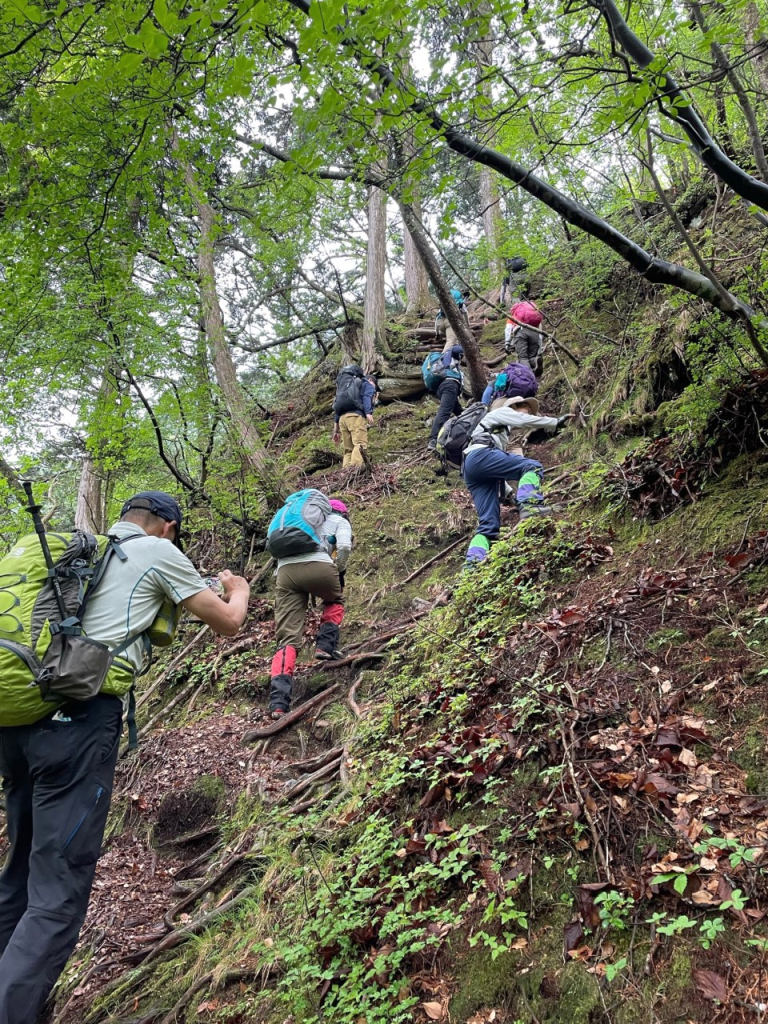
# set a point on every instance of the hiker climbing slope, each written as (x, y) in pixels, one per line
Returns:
(515, 284)
(353, 412)
(58, 761)
(443, 378)
(443, 328)
(303, 536)
(522, 337)
(487, 467)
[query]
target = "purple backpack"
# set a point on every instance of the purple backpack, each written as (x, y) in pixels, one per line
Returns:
(515, 380)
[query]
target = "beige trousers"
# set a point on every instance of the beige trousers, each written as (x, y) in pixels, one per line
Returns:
(354, 438)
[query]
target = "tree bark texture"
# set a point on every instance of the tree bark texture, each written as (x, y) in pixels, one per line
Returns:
(490, 207)
(418, 299)
(375, 270)
(89, 512)
(477, 373)
(253, 451)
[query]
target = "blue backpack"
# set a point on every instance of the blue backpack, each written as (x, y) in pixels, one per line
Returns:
(294, 530)
(434, 372)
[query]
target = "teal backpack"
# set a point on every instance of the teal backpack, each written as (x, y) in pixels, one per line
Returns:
(294, 529)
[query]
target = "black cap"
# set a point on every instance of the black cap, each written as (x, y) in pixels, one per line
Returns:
(159, 504)
(457, 351)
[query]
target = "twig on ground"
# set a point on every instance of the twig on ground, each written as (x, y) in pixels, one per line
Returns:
(351, 697)
(311, 764)
(304, 805)
(292, 717)
(164, 675)
(329, 769)
(175, 938)
(201, 890)
(328, 666)
(421, 568)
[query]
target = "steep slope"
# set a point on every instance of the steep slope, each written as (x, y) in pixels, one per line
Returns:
(539, 793)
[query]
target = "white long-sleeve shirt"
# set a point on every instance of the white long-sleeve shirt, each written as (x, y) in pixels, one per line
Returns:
(506, 422)
(335, 526)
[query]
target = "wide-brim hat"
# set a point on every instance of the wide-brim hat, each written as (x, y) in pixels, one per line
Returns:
(533, 403)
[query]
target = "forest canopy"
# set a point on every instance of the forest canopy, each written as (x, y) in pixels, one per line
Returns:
(200, 201)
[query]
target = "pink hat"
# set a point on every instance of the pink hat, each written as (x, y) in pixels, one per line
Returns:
(339, 506)
(526, 313)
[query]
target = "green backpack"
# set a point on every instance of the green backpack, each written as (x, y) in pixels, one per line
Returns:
(45, 659)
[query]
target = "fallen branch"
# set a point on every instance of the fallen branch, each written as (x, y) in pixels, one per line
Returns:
(175, 938)
(311, 764)
(162, 712)
(401, 627)
(192, 837)
(421, 568)
(329, 666)
(304, 805)
(164, 675)
(351, 697)
(292, 717)
(308, 783)
(226, 979)
(201, 890)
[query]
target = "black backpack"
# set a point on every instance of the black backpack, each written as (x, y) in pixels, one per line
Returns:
(455, 434)
(349, 390)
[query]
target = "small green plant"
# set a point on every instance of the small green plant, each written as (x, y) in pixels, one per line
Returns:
(615, 909)
(710, 929)
(611, 970)
(737, 901)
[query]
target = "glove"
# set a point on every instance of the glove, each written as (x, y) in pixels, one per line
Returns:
(562, 422)
(341, 580)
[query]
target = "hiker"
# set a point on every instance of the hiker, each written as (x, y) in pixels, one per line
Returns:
(487, 465)
(58, 771)
(521, 336)
(514, 380)
(515, 282)
(304, 536)
(356, 395)
(443, 378)
(441, 321)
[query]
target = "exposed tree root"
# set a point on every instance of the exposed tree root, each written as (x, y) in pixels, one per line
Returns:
(293, 716)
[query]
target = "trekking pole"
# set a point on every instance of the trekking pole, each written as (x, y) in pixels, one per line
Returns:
(34, 511)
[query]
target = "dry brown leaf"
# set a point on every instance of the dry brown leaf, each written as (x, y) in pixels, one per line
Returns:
(711, 985)
(433, 1010)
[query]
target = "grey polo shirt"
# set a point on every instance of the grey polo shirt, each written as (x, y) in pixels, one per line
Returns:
(129, 596)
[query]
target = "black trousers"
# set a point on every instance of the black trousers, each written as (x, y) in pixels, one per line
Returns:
(448, 393)
(57, 782)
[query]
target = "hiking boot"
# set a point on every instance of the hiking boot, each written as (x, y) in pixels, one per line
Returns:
(276, 713)
(531, 510)
(323, 655)
(432, 444)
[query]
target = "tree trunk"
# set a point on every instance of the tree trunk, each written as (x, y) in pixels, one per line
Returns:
(492, 224)
(477, 373)
(254, 453)
(416, 280)
(375, 271)
(757, 42)
(90, 511)
(489, 192)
